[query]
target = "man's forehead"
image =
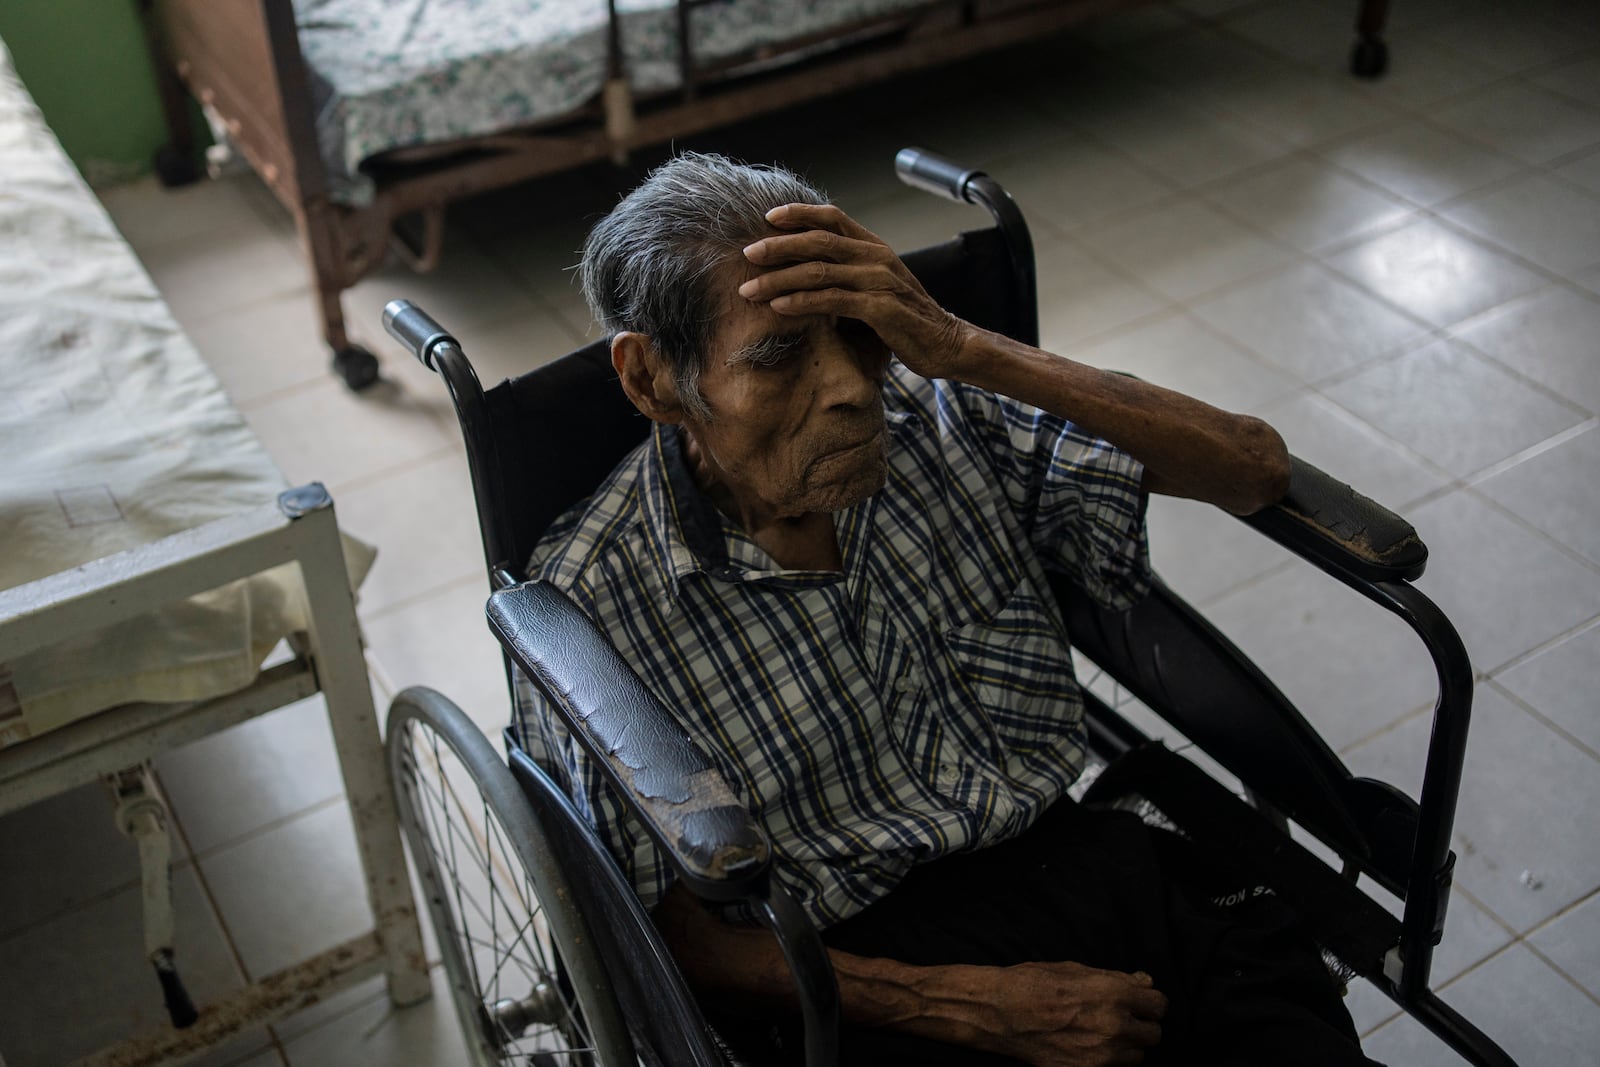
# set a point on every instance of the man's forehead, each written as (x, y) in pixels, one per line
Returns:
(742, 322)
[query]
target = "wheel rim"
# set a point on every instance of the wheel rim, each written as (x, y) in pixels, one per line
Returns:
(504, 967)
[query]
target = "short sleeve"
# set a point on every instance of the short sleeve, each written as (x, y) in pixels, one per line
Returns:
(1077, 498)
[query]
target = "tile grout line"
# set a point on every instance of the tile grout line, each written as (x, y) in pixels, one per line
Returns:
(412, 601)
(204, 882)
(271, 826)
(1544, 646)
(1540, 717)
(1539, 534)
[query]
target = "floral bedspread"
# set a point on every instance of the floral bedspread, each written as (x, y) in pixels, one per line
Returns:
(391, 73)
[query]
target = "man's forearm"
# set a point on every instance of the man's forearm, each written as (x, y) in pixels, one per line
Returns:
(746, 964)
(1188, 447)
(1047, 1012)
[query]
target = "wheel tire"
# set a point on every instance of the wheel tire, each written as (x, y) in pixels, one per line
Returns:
(174, 168)
(1369, 58)
(357, 366)
(527, 986)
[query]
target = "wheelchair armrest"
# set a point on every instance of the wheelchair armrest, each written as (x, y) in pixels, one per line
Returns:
(666, 780)
(1330, 524)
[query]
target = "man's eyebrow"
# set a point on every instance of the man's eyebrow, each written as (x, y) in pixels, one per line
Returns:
(767, 349)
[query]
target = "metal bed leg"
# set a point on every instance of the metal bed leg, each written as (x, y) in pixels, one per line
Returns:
(1369, 57)
(142, 816)
(342, 673)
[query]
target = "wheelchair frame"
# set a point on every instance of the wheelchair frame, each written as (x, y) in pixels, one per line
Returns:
(1162, 652)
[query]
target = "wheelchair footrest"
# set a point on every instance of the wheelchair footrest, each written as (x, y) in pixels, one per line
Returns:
(1345, 920)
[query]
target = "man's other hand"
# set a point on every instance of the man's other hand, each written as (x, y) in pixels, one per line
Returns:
(832, 265)
(1050, 1014)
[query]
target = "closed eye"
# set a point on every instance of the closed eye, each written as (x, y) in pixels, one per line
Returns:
(770, 351)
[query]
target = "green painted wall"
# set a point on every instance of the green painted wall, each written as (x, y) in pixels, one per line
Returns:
(85, 63)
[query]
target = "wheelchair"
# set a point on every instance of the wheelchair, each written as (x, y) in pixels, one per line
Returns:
(552, 960)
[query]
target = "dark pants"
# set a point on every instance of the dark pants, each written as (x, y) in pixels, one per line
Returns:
(1245, 987)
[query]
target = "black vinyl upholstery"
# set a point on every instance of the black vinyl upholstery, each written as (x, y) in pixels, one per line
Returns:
(712, 840)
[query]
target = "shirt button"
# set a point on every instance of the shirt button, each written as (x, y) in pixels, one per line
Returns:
(906, 683)
(947, 774)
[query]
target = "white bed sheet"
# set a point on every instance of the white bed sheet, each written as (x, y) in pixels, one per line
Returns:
(113, 434)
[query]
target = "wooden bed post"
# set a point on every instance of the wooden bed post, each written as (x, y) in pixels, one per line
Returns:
(320, 229)
(1370, 56)
(242, 60)
(174, 161)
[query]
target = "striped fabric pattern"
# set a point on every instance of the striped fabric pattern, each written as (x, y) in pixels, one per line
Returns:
(918, 703)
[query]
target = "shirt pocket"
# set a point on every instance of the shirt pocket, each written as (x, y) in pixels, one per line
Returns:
(1017, 667)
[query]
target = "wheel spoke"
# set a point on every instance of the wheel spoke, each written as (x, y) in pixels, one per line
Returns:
(466, 862)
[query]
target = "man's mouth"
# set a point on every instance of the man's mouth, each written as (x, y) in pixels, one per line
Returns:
(846, 450)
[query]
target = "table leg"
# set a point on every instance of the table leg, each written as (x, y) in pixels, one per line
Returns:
(342, 673)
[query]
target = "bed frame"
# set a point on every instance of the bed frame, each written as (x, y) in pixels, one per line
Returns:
(242, 60)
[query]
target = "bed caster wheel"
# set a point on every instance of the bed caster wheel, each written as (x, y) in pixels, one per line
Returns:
(1369, 58)
(175, 168)
(357, 366)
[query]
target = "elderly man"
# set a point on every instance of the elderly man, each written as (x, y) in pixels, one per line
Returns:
(829, 559)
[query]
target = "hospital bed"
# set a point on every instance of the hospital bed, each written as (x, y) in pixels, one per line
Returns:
(367, 117)
(152, 558)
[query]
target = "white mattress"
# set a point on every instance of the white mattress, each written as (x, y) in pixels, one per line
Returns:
(392, 73)
(113, 434)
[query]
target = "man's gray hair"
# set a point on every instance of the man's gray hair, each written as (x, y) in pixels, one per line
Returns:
(648, 266)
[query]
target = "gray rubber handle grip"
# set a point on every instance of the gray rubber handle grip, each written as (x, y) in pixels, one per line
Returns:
(934, 173)
(415, 329)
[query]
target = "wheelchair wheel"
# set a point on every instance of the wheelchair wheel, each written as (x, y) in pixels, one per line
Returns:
(527, 987)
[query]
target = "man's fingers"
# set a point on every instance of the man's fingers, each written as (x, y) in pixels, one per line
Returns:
(847, 303)
(813, 274)
(823, 216)
(1147, 1003)
(1142, 1033)
(814, 244)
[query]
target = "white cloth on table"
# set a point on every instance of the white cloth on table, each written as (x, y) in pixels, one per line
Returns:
(113, 434)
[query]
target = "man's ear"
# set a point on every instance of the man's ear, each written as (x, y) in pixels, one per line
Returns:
(645, 376)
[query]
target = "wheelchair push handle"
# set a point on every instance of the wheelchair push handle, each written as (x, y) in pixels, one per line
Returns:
(415, 329)
(935, 174)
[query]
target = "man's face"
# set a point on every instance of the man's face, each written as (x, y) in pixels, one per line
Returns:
(796, 420)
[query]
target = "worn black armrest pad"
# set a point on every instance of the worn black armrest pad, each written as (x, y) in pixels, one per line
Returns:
(1330, 524)
(666, 780)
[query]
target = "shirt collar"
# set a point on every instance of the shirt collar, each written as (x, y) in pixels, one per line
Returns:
(688, 535)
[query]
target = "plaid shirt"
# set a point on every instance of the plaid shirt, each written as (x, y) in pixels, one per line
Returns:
(920, 702)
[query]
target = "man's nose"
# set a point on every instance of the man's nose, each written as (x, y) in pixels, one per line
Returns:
(851, 377)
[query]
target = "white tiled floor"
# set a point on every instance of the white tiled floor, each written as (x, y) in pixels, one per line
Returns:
(1403, 275)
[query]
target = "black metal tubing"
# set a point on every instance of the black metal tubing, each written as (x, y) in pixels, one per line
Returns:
(936, 174)
(441, 353)
(483, 457)
(984, 190)
(815, 982)
(1455, 1030)
(1428, 886)
(1428, 881)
